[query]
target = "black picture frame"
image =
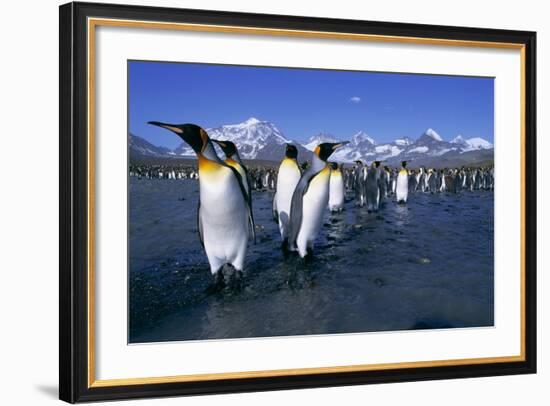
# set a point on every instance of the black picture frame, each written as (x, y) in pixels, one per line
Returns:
(74, 199)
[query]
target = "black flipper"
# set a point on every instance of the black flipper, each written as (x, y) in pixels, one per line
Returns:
(275, 212)
(249, 201)
(199, 223)
(247, 197)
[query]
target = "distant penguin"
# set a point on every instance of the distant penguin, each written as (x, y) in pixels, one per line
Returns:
(477, 179)
(265, 178)
(422, 179)
(373, 186)
(431, 180)
(448, 180)
(359, 184)
(402, 189)
(336, 188)
(287, 178)
(310, 200)
(412, 181)
(224, 215)
(393, 181)
(441, 181)
(456, 182)
(464, 179)
(385, 179)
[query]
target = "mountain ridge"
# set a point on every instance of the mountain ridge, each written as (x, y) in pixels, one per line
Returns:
(263, 140)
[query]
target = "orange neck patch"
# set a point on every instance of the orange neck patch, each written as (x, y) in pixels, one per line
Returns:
(232, 163)
(208, 166)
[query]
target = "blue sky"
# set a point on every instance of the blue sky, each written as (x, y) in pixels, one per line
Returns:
(305, 102)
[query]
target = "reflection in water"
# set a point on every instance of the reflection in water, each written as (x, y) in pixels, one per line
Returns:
(427, 264)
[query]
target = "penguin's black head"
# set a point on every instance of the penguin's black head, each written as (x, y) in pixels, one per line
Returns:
(228, 147)
(403, 164)
(333, 165)
(192, 134)
(358, 162)
(324, 150)
(291, 151)
(376, 164)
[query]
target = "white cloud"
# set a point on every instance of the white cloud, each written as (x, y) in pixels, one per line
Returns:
(355, 99)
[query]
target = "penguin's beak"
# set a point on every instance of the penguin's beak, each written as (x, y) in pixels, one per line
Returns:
(192, 134)
(339, 145)
(220, 143)
(171, 127)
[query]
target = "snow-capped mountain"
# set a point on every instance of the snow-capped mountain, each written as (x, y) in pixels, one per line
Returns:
(403, 142)
(431, 134)
(459, 140)
(315, 140)
(361, 146)
(479, 143)
(362, 140)
(255, 139)
(429, 144)
(263, 140)
(471, 144)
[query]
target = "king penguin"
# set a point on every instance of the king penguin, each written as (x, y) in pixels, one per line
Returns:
(359, 184)
(336, 188)
(232, 158)
(310, 200)
(224, 216)
(373, 186)
(287, 178)
(402, 188)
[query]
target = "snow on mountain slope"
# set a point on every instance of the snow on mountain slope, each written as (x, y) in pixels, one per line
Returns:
(478, 143)
(471, 144)
(250, 136)
(257, 139)
(362, 138)
(386, 151)
(420, 149)
(433, 134)
(403, 142)
(254, 138)
(315, 140)
(458, 140)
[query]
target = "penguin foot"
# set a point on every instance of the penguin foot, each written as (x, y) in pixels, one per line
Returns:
(285, 248)
(218, 284)
(308, 258)
(236, 281)
(284, 245)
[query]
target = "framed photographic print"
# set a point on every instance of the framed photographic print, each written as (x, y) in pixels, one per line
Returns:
(255, 202)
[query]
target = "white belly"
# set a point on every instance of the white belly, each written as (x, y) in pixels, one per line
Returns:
(402, 187)
(336, 191)
(287, 179)
(315, 201)
(224, 218)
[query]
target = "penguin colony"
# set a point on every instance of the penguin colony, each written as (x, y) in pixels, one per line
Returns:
(302, 193)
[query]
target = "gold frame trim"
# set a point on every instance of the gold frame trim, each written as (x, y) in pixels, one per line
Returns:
(94, 22)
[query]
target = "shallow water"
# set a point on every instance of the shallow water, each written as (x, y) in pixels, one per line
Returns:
(427, 264)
